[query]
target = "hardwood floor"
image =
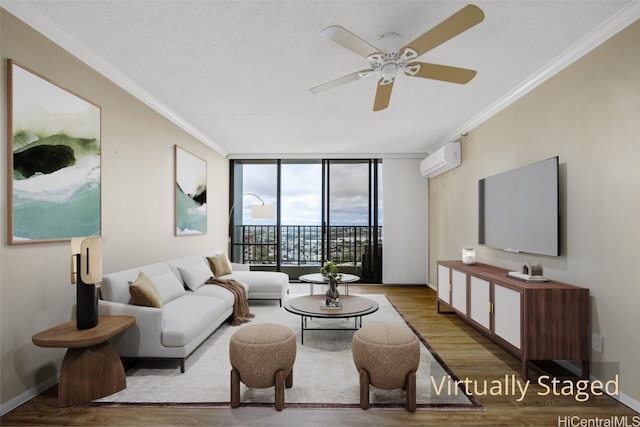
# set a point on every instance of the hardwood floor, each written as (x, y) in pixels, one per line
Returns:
(467, 352)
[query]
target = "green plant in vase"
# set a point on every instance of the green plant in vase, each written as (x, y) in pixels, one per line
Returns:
(330, 271)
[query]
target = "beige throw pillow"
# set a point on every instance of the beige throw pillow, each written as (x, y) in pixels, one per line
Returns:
(144, 292)
(220, 265)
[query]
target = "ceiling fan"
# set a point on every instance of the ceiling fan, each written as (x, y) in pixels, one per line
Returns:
(388, 64)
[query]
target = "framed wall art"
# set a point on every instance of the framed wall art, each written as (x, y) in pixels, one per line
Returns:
(191, 193)
(53, 144)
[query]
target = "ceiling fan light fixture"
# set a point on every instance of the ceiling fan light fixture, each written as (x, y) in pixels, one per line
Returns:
(389, 71)
(387, 63)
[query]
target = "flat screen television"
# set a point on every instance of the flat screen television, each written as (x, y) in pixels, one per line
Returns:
(519, 209)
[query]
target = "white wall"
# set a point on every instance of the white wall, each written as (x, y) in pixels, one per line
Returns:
(588, 115)
(405, 208)
(137, 210)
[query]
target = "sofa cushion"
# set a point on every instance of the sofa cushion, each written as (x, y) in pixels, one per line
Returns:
(144, 292)
(186, 317)
(215, 291)
(260, 281)
(169, 287)
(220, 264)
(195, 275)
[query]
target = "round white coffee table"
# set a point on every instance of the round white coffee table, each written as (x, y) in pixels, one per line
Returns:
(317, 278)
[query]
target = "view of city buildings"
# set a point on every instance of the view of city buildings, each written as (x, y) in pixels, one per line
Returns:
(306, 245)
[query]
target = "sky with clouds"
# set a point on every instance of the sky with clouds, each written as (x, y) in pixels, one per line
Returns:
(302, 193)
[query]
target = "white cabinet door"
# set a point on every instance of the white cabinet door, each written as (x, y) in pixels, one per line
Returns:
(443, 283)
(506, 306)
(459, 291)
(480, 300)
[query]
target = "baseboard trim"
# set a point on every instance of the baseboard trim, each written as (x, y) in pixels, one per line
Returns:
(23, 398)
(627, 400)
(623, 398)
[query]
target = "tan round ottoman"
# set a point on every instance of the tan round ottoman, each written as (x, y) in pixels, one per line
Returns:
(387, 357)
(262, 356)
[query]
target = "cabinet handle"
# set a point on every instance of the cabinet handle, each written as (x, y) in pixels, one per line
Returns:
(490, 308)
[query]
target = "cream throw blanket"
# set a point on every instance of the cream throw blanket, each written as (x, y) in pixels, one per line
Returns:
(241, 312)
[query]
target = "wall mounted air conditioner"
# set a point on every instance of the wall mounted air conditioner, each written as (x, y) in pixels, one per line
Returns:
(443, 159)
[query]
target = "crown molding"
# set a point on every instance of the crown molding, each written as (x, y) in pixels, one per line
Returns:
(53, 32)
(606, 30)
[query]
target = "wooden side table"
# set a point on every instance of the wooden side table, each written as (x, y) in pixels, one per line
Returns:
(91, 368)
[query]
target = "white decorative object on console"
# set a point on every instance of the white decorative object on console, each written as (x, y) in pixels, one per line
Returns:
(469, 256)
(530, 273)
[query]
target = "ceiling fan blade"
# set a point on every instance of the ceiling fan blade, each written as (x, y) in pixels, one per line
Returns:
(348, 40)
(383, 94)
(457, 23)
(342, 80)
(440, 72)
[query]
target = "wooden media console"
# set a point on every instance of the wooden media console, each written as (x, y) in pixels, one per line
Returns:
(532, 320)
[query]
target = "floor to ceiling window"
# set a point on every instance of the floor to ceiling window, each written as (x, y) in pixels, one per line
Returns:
(253, 239)
(324, 210)
(301, 220)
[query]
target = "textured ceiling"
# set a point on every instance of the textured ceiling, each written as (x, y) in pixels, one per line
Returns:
(237, 73)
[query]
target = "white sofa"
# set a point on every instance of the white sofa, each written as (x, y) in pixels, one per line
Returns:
(190, 311)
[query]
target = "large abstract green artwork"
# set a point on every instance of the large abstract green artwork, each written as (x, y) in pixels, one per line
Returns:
(54, 160)
(191, 193)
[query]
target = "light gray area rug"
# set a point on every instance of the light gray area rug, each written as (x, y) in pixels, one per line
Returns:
(324, 375)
